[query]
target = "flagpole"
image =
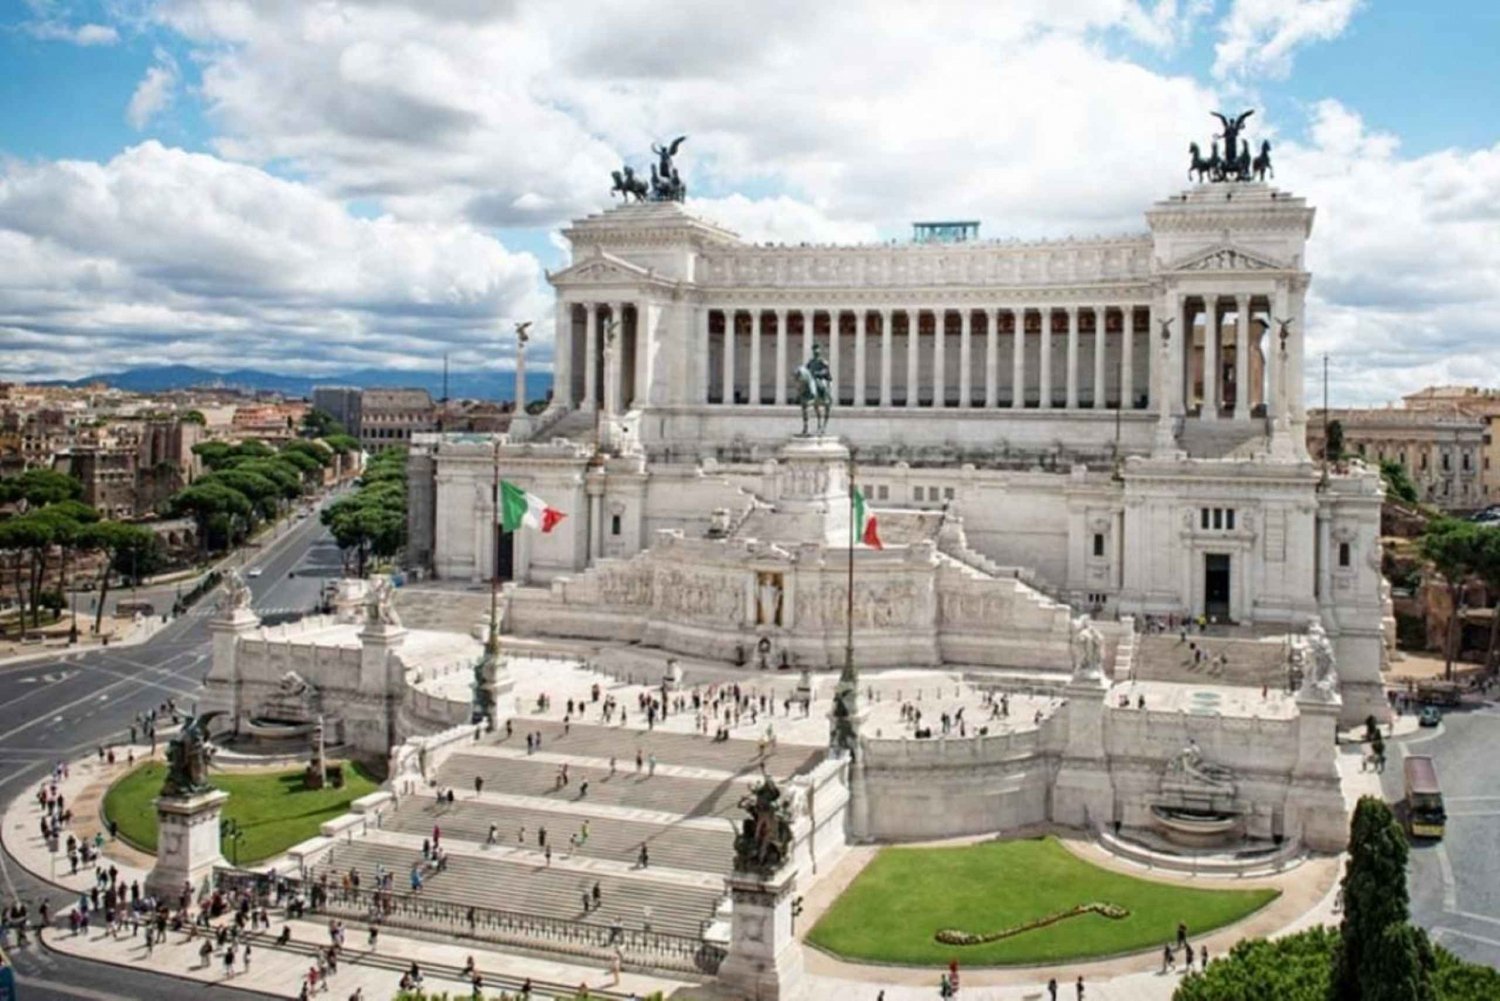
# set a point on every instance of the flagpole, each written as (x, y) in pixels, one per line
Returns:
(849, 590)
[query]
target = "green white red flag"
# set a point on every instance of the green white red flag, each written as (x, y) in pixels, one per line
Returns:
(519, 509)
(865, 528)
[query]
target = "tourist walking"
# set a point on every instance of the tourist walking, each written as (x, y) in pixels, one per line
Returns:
(1079, 985)
(1052, 989)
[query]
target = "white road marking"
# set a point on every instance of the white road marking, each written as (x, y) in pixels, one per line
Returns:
(1450, 887)
(1445, 931)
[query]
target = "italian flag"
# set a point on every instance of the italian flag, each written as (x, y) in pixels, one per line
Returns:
(519, 508)
(864, 528)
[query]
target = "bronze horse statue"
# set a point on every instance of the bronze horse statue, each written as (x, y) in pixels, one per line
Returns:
(1207, 170)
(1262, 164)
(627, 184)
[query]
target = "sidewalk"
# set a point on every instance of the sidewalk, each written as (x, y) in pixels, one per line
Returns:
(279, 972)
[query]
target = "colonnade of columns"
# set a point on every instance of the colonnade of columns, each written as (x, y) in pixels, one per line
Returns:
(1229, 363)
(937, 357)
(597, 368)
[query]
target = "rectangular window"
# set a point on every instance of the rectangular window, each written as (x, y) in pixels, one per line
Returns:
(1229, 519)
(916, 494)
(948, 493)
(1218, 517)
(614, 525)
(1203, 518)
(1343, 554)
(1098, 543)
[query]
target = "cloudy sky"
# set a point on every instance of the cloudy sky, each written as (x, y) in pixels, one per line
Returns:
(318, 185)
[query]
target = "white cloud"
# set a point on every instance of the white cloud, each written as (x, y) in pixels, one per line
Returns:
(82, 34)
(1405, 264)
(1261, 36)
(163, 254)
(155, 91)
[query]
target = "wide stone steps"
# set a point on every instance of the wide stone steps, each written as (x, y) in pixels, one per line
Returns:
(554, 891)
(596, 741)
(615, 839)
(525, 776)
(1251, 662)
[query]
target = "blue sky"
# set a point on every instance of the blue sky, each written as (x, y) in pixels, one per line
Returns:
(342, 184)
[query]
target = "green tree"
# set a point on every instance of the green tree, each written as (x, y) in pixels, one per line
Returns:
(1379, 957)
(126, 549)
(1453, 547)
(315, 450)
(194, 417)
(216, 508)
(37, 487)
(214, 454)
(1397, 483)
(27, 539)
(1333, 441)
(341, 443)
(1487, 569)
(320, 424)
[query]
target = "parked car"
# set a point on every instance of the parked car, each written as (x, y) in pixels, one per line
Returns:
(1431, 716)
(254, 572)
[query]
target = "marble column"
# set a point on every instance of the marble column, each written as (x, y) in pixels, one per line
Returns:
(965, 356)
(562, 364)
(731, 321)
(885, 357)
(860, 357)
(1018, 360)
(1044, 394)
(1211, 328)
(991, 363)
(807, 334)
(834, 316)
(939, 358)
(1277, 406)
(591, 355)
(913, 325)
(1242, 358)
(781, 372)
(756, 319)
(1101, 327)
(1127, 358)
(1071, 384)
(703, 318)
(614, 363)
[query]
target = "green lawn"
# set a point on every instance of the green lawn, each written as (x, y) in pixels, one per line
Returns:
(272, 808)
(892, 911)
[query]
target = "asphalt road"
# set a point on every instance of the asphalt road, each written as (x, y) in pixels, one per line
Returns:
(65, 706)
(1455, 882)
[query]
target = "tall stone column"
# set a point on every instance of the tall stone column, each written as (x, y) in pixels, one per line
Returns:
(913, 326)
(885, 357)
(756, 319)
(861, 356)
(594, 485)
(591, 356)
(991, 362)
(965, 357)
(1018, 361)
(1101, 328)
(562, 361)
(731, 322)
(1282, 446)
(781, 366)
(1297, 368)
(1176, 381)
(939, 358)
(1211, 327)
(1242, 358)
(1072, 376)
(1127, 358)
(703, 318)
(834, 316)
(807, 334)
(1044, 393)
(520, 420)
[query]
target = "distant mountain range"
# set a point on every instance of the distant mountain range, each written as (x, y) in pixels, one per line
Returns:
(461, 384)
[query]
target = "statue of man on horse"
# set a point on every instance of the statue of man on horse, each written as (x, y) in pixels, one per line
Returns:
(814, 390)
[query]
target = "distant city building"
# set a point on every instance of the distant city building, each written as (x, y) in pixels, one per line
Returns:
(341, 403)
(1442, 449)
(389, 417)
(1476, 402)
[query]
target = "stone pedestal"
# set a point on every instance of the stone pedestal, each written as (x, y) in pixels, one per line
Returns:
(1083, 795)
(1316, 810)
(223, 687)
(813, 490)
(765, 959)
(187, 842)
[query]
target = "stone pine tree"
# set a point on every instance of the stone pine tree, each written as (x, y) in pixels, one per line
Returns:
(1380, 956)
